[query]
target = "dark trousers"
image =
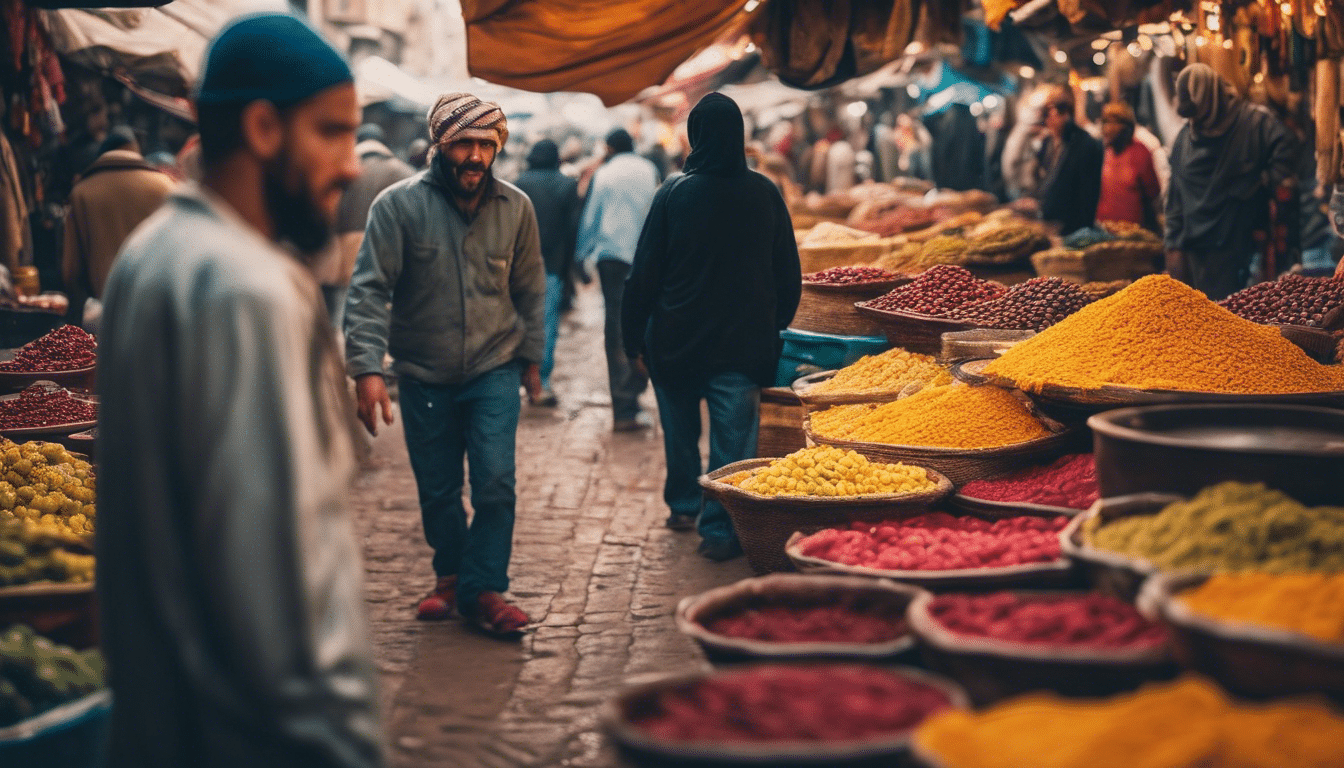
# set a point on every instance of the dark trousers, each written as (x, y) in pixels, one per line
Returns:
(478, 420)
(1218, 274)
(734, 402)
(626, 383)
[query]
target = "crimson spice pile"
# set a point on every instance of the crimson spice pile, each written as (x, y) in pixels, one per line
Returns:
(1091, 619)
(1290, 300)
(44, 406)
(1069, 481)
(1034, 305)
(782, 623)
(937, 291)
(67, 348)
(939, 542)
(791, 703)
(850, 276)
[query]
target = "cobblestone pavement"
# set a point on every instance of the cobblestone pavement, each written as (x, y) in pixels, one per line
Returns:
(592, 566)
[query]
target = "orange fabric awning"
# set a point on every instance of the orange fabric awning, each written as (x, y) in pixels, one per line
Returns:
(611, 49)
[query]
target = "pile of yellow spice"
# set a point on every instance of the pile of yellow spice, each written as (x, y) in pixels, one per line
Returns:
(827, 471)
(953, 416)
(1161, 334)
(1309, 603)
(1189, 723)
(896, 370)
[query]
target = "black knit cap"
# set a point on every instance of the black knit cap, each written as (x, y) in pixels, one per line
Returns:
(271, 56)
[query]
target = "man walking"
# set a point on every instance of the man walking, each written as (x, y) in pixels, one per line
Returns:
(555, 197)
(450, 281)
(115, 194)
(619, 197)
(715, 279)
(1073, 161)
(228, 572)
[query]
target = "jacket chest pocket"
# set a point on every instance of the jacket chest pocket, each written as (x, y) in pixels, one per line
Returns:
(490, 273)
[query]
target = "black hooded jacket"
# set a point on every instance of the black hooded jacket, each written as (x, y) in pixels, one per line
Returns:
(716, 274)
(555, 197)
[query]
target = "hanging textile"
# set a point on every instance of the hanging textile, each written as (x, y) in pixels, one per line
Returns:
(14, 235)
(818, 43)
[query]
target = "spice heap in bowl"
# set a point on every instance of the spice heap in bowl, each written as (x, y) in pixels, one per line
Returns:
(1290, 300)
(938, 291)
(67, 348)
(896, 370)
(939, 542)
(1069, 482)
(45, 406)
(1031, 306)
(826, 471)
(48, 489)
(954, 416)
(783, 622)
(1310, 604)
(850, 276)
(1080, 620)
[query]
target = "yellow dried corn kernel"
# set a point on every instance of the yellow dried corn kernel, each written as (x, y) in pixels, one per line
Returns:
(827, 471)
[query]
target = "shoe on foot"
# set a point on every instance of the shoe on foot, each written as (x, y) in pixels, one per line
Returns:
(496, 617)
(719, 550)
(680, 522)
(439, 604)
(547, 399)
(640, 421)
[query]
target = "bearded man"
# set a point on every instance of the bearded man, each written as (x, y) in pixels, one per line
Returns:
(228, 571)
(450, 282)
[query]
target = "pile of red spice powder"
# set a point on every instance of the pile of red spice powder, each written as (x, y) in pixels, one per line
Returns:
(1069, 481)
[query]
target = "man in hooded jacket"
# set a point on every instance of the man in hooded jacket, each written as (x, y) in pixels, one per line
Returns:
(715, 279)
(1224, 165)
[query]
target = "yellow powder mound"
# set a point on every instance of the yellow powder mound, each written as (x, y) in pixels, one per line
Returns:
(1161, 334)
(952, 416)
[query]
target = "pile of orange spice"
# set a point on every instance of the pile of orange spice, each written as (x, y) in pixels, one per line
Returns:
(951, 416)
(1309, 603)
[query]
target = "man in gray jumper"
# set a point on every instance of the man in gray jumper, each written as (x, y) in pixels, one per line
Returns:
(450, 281)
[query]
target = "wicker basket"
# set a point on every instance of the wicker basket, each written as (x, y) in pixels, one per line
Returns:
(829, 308)
(781, 425)
(915, 332)
(983, 343)
(994, 669)
(1115, 574)
(1122, 260)
(1245, 658)
(64, 613)
(1064, 263)
(764, 523)
(888, 599)
(815, 258)
(1319, 345)
(811, 402)
(960, 465)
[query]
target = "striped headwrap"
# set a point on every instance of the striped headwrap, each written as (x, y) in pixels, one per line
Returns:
(463, 116)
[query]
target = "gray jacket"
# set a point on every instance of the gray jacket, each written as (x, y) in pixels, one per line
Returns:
(449, 298)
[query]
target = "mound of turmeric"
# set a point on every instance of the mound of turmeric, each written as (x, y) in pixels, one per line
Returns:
(949, 416)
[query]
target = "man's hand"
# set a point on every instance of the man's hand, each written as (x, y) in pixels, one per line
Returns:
(1176, 264)
(532, 382)
(371, 392)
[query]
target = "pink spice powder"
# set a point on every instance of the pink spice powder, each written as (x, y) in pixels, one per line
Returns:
(1069, 481)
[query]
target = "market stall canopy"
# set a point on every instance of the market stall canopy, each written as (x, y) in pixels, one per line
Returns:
(378, 80)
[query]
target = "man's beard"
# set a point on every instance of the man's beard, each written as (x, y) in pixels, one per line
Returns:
(297, 217)
(452, 173)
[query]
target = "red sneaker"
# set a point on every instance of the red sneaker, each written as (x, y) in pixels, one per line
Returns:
(439, 604)
(497, 617)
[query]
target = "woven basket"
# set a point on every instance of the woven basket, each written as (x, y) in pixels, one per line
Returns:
(887, 599)
(1319, 345)
(1115, 574)
(1249, 659)
(764, 523)
(960, 465)
(781, 423)
(802, 387)
(912, 331)
(1121, 260)
(829, 308)
(815, 258)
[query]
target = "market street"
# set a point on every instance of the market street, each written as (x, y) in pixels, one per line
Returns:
(593, 566)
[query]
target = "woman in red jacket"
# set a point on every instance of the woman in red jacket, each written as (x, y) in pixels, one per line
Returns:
(1129, 185)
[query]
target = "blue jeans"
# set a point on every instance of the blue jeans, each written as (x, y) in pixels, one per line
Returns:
(555, 291)
(734, 416)
(478, 419)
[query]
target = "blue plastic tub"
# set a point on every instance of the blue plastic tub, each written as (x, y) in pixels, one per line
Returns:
(806, 352)
(72, 735)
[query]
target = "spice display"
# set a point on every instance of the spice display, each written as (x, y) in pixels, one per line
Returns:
(784, 622)
(1031, 306)
(31, 552)
(1005, 242)
(1290, 300)
(36, 674)
(830, 233)
(850, 276)
(1093, 620)
(1161, 334)
(1069, 481)
(939, 542)
(42, 405)
(1310, 603)
(1188, 723)
(791, 703)
(64, 349)
(1230, 527)
(43, 485)
(826, 471)
(937, 291)
(955, 416)
(896, 370)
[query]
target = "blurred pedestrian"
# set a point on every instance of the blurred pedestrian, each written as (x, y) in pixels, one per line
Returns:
(450, 281)
(417, 154)
(113, 196)
(229, 577)
(619, 197)
(555, 197)
(1130, 190)
(715, 279)
(378, 170)
(1225, 164)
(1073, 159)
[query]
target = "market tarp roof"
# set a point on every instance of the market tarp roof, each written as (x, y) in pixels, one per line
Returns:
(611, 49)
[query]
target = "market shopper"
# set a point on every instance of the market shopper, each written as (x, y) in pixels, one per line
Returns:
(1225, 164)
(229, 577)
(619, 197)
(555, 197)
(1130, 190)
(715, 279)
(450, 281)
(113, 196)
(1073, 160)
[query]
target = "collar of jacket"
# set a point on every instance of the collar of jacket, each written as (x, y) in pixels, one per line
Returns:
(118, 160)
(372, 147)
